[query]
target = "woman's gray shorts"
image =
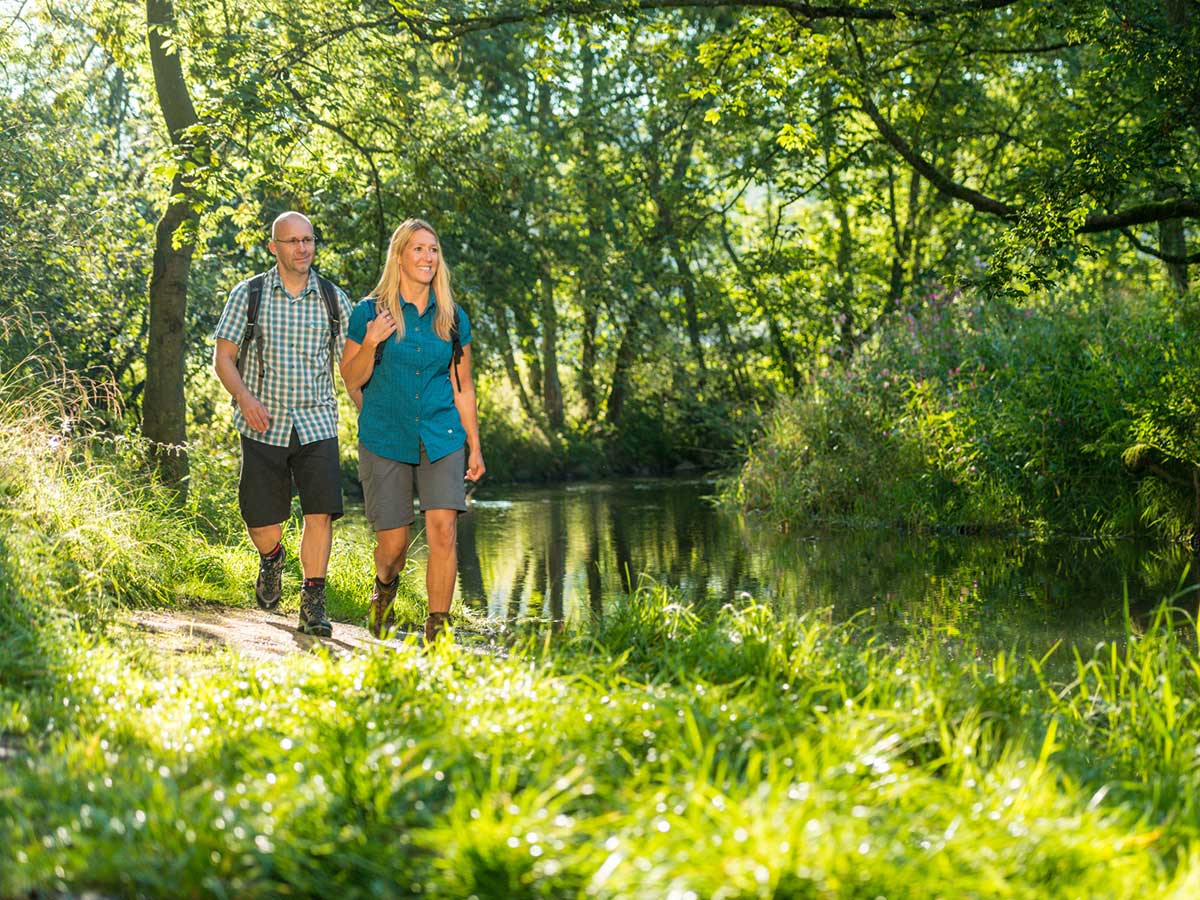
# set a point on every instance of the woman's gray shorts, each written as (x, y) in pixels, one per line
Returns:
(388, 486)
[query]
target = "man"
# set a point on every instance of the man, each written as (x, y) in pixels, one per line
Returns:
(286, 411)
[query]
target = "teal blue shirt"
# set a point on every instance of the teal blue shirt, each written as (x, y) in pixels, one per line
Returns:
(410, 399)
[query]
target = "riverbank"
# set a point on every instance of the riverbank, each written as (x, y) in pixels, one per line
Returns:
(1072, 412)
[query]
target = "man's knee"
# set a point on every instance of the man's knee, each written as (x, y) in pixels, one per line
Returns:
(318, 521)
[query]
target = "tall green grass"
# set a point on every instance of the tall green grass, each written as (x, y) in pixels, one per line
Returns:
(668, 752)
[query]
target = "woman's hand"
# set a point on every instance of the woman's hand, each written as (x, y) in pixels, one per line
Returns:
(475, 466)
(379, 329)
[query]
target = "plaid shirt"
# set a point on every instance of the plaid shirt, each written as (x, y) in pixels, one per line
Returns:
(296, 387)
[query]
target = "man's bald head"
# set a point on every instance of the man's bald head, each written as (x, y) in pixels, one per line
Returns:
(288, 216)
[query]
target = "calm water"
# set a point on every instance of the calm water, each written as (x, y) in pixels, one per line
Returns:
(557, 552)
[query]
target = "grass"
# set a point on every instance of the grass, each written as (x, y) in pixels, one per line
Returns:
(663, 750)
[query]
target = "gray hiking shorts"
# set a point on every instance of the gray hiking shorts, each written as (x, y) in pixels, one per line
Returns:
(388, 486)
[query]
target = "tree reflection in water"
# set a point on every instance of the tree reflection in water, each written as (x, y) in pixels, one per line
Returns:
(557, 553)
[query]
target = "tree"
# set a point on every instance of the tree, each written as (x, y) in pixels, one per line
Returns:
(164, 412)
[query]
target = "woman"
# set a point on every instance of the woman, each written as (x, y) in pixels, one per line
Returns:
(417, 412)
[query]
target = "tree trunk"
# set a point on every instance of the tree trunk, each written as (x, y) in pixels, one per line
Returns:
(1172, 241)
(840, 294)
(590, 290)
(687, 284)
(783, 353)
(620, 377)
(164, 410)
(587, 363)
(1172, 233)
(510, 366)
(552, 400)
(902, 236)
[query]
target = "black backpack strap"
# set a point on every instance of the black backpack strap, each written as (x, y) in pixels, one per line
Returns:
(329, 295)
(252, 331)
(456, 350)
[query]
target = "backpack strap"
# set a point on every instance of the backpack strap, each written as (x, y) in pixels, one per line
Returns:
(456, 350)
(252, 331)
(329, 295)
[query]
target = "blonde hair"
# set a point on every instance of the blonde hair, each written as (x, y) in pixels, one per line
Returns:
(388, 289)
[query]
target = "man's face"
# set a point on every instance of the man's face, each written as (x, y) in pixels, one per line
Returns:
(293, 245)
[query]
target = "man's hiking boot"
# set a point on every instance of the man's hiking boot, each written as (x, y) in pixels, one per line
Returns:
(382, 618)
(269, 586)
(435, 626)
(312, 611)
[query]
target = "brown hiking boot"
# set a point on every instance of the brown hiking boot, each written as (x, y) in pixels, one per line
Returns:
(435, 625)
(312, 611)
(381, 618)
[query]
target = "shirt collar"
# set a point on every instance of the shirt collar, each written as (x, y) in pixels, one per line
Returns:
(430, 307)
(274, 281)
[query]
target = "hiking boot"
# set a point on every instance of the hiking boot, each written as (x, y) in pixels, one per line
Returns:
(269, 586)
(382, 618)
(435, 625)
(312, 611)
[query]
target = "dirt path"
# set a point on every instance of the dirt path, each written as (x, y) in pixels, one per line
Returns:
(248, 631)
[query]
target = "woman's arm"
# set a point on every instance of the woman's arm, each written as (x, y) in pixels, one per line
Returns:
(358, 360)
(468, 413)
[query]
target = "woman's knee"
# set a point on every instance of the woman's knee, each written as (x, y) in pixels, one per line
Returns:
(392, 543)
(441, 530)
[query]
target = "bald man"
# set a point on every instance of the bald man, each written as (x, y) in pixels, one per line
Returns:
(286, 412)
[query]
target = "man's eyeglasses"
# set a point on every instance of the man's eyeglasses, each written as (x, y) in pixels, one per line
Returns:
(305, 242)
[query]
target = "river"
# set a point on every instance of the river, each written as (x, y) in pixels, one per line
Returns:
(561, 552)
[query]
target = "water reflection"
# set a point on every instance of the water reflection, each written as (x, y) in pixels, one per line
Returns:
(558, 552)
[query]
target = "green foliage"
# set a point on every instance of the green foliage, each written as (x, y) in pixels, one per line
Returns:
(962, 414)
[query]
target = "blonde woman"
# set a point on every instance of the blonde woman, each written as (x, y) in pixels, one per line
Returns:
(408, 350)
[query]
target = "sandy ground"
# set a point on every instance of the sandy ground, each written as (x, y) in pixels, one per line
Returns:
(251, 632)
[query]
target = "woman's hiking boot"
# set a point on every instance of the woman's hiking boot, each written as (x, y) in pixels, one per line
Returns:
(269, 586)
(381, 617)
(435, 626)
(312, 611)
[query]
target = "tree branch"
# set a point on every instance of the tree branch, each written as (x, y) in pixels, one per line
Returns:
(448, 29)
(931, 173)
(1143, 214)
(1189, 260)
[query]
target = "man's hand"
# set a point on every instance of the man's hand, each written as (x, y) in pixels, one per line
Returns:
(253, 411)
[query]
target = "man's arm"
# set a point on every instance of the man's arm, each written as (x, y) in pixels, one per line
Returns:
(225, 365)
(346, 310)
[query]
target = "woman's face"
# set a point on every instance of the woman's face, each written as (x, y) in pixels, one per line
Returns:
(419, 259)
